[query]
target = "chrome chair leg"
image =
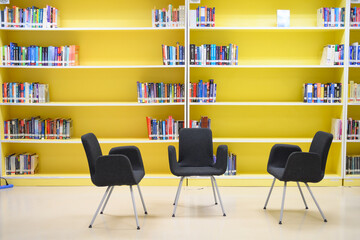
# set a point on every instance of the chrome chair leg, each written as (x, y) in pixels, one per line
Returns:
(302, 195)
(217, 189)
(98, 209)
(135, 212)
(107, 199)
(282, 204)
(177, 195)
(142, 200)
(318, 206)
(213, 188)
(268, 197)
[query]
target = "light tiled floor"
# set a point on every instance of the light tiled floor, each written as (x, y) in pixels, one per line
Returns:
(65, 213)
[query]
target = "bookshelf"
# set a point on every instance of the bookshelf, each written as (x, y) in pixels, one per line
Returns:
(259, 102)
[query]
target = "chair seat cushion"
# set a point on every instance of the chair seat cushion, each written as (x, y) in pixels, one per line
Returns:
(277, 172)
(198, 171)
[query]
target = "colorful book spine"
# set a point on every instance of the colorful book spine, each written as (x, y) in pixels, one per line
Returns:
(353, 164)
(331, 17)
(160, 92)
(164, 129)
(21, 164)
(354, 57)
(322, 93)
(333, 55)
(336, 128)
(204, 122)
(203, 91)
(355, 17)
(173, 55)
(231, 164)
(38, 128)
(205, 16)
(354, 91)
(353, 132)
(171, 17)
(210, 54)
(33, 55)
(14, 92)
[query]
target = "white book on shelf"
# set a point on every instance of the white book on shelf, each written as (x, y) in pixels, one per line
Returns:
(328, 56)
(182, 16)
(320, 17)
(283, 18)
(192, 18)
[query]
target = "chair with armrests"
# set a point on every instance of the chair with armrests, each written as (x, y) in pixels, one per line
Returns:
(196, 159)
(288, 163)
(123, 166)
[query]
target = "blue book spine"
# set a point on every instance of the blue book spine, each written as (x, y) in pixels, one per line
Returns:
(180, 55)
(163, 130)
(214, 54)
(351, 55)
(358, 55)
(309, 92)
(326, 17)
(37, 55)
(323, 90)
(336, 17)
(332, 92)
(315, 93)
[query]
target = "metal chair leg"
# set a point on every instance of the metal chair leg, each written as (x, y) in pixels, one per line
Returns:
(177, 195)
(135, 212)
(142, 200)
(268, 197)
(282, 204)
(302, 195)
(213, 188)
(98, 209)
(107, 199)
(217, 189)
(322, 214)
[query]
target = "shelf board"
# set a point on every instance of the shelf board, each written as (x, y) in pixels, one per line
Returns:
(93, 29)
(355, 176)
(266, 104)
(352, 141)
(265, 140)
(354, 104)
(91, 104)
(266, 66)
(82, 67)
(256, 176)
(270, 28)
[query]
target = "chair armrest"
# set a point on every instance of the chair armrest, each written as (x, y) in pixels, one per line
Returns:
(133, 153)
(174, 165)
(280, 153)
(303, 166)
(113, 169)
(221, 157)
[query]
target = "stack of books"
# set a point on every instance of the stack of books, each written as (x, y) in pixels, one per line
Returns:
(38, 128)
(355, 17)
(171, 17)
(203, 91)
(231, 164)
(210, 54)
(160, 92)
(173, 55)
(354, 92)
(14, 92)
(31, 17)
(164, 129)
(39, 56)
(333, 55)
(322, 93)
(354, 54)
(202, 17)
(353, 164)
(336, 128)
(204, 122)
(331, 17)
(353, 132)
(25, 163)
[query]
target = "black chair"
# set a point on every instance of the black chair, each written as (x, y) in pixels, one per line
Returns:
(288, 163)
(123, 166)
(196, 159)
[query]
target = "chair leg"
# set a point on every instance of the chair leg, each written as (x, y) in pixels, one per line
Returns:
(268, 197)
(142, 200)
(98, 209)
(177, 195)
(322, 214)
(302, 195)
(135, 212)
(213, 188)
(218, 193)
(282, 204)
(107, 199)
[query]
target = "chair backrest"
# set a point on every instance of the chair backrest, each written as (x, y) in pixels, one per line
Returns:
(195, 147)
(92, 149)
(321, 144)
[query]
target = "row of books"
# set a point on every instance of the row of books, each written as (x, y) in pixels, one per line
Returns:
(333, 55)
(331, 17)
(353, 164)
(355, 17)
(231, 164)
(210, 54)
(202, 17)
(173, 55)
(322, 93)
(171, 17)
(354, 54)
(160, 92)
(204, 122)
(164, 129)
(30, 17)
(14, 92)
(21, 164)
(38, 128)
(354, 92)
(33, 55)
(353, 132)
(336, 128)
(203, 91)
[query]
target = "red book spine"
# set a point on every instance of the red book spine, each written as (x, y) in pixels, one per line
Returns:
(170, 127)
(148, 123)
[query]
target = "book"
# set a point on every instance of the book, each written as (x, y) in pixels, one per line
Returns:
(171, 55)
(283, 18)
(21, 164)
(25, 92)
(336, 128)
(319, 93)
(210, 54)
(333, 55)
(203, 91)
(171, 17)
(164, 129)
